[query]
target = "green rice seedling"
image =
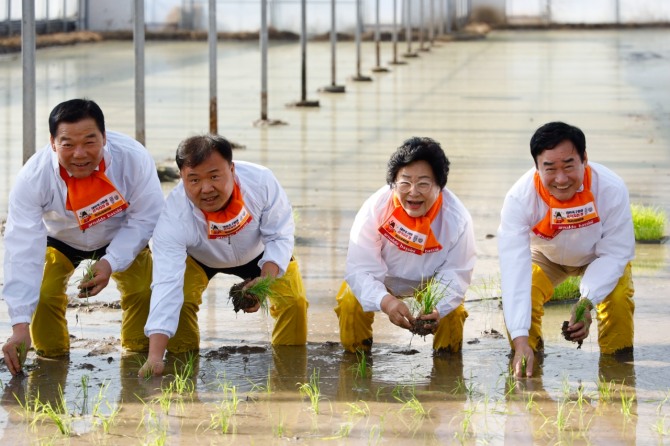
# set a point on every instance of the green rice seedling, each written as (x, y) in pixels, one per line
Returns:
(22, 352)
(183, 373)
(109, 419)
(279, 429)
(524, 363)
(488, 288)
(530, 401)
(562, 416)
(31, 408)
(344, 430)
(567, 290)
(361, 368)
(356, 410)
(312, 390)
(425, 301)
(222, 419)
(648, 222)
(660, 427)
(62, 420)
(84, 391)
(259, 292)
(87, 275)
(659, 408)
(414, 406)
(581, 309)
(375, 435)
(605, 389)
(627, 404)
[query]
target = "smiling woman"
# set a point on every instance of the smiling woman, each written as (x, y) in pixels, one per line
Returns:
(410, 232)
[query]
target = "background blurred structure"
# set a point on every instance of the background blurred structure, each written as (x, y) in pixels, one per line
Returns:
(243, 15)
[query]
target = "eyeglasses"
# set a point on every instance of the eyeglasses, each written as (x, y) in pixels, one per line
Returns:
(405, 186)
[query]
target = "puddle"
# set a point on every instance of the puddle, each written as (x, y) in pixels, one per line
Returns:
(482, 100)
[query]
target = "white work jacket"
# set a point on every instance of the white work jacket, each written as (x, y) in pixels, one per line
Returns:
(37, 210)
(606, 247)
(182, 231)
(376, 267)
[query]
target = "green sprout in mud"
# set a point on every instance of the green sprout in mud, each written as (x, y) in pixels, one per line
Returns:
(360, 409)
(605, 389)
(22, 352)
(312, 390)
(183, 374)
(361, 368)
(107, 418)
(567, 290)
(223, 418)
(660, 427)
(627, 404)
(648, 222)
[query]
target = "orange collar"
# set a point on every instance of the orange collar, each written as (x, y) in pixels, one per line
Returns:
(412, 234)
(93, 199)
(577, 212)
(231, 219)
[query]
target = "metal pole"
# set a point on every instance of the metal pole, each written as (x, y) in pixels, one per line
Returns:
(138, 39)
(422, 27)
(64, 16)
(431, 23)
(9, 18)
(212, 41)
(395, 60)
(303, 56)
(28, 62)
(359, 77)
(333, 87)
(408, 30)
(264, 60)
(378, 68)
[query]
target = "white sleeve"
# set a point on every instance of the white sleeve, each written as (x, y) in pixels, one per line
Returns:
(365, 270)
(25, 247)
(145, 205)
(614, 250)
(277, 226)
(515, 266)
(167, 289)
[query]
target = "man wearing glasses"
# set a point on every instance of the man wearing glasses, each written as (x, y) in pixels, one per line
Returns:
(410, 232)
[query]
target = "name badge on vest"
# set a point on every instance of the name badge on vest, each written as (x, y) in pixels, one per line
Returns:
(574, 217)
(100, 210)
(217, 229)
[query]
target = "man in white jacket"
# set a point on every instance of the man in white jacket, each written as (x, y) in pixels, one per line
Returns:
(567, 216)
(89, 194)
(409, 232)
(223, 217)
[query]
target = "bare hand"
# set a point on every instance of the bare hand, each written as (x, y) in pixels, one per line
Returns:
(19, 341)
(102, 271)
(152, 367)
(434, 319)
(397, 312)
(524, 357)
(249, 284)
(579, 330)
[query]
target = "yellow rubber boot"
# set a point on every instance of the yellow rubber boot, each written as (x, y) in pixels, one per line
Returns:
(355, 324)
(187, 337)
(615, 316)
(449, 335)
(289, 308)
(49, 326)
(134, 285)
(541, 291)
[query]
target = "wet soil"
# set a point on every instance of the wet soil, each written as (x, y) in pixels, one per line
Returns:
(242, 300)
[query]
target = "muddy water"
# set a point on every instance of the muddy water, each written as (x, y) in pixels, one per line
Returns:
(482, 100)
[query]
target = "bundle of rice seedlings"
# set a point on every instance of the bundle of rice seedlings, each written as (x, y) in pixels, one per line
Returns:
(581, 308)
(567, 290)
(257, 293)
(425, 301)
(648, 222)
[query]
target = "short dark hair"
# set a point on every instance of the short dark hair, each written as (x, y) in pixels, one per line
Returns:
(419, 149)
(552, 134)
(76, 110)
(193, 151)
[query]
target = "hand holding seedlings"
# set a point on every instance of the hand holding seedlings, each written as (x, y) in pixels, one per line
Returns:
(524, 358)
(424, 306)
(251, 295)
(397, 311)
(16, 348)
(96, 277)
(577, 329)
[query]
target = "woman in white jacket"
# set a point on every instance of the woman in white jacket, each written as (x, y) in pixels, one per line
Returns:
(409, 231)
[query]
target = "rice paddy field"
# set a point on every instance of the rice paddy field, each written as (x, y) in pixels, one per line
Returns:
(482, 99)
